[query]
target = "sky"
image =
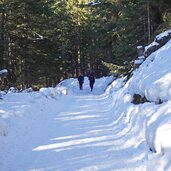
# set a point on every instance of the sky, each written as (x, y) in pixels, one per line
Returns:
(67, 129)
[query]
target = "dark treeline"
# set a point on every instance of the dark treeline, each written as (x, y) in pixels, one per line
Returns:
(45, 41)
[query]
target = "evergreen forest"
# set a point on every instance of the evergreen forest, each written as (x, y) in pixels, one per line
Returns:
(45, 41)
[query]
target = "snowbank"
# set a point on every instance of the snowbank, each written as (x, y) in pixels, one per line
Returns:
(153, 78)
(151, 120)
(28, 97)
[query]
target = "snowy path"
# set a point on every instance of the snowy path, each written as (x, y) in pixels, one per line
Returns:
(91, 141)
(82, 134)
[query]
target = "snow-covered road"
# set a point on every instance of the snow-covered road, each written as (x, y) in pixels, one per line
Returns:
(86, 138)
(77, 132)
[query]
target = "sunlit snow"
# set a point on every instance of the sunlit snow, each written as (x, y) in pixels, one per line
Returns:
(65, 129)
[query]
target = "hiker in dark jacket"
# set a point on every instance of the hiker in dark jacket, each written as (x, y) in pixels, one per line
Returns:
(81, 81)
(91, 80)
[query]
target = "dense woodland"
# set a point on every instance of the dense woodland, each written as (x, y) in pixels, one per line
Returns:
(45, 41)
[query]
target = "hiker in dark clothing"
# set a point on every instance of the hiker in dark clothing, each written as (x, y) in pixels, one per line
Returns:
(91, 80)
(81, 81)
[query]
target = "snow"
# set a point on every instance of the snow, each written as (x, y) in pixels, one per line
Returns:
(161, 35)
(153, 78)
(39, 37)
(3, 72)
(158, 37)
(139, 47)
(151, 44)
(91, 3)
(66, 129)
(138, 61)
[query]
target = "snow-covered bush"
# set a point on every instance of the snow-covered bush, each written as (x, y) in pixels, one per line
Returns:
(53, 92)
(28, 90)
(13, 90)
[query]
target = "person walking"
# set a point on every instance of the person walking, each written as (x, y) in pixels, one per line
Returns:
(81, 81)
(91, 80)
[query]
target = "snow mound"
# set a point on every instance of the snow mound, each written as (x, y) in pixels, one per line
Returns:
(56, 92)
(153, 78)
